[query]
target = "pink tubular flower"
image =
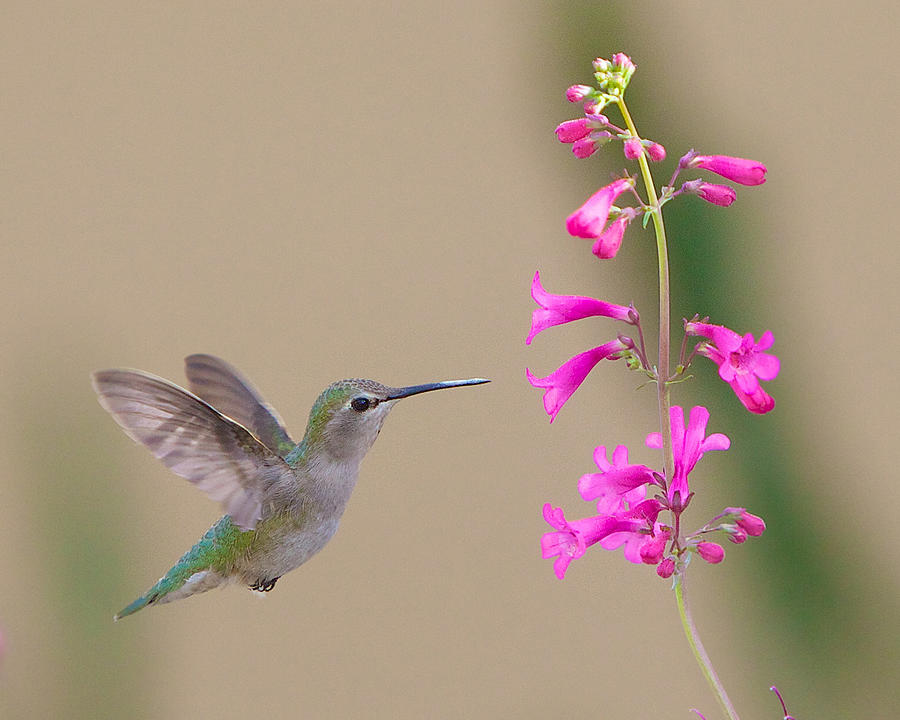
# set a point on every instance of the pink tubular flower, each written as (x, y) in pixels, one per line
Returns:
(560, 309)
(688, 447)
(742, 362)
(572, 539)
(739, 170)
(561, 384)
(711, 552)
(617, 483)
(588, 220)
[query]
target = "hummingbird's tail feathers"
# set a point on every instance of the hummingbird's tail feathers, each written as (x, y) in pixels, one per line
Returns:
(200, 569)
(227, 390)
(195, 441)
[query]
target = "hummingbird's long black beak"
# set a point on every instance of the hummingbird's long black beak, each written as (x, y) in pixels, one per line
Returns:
(398, 393)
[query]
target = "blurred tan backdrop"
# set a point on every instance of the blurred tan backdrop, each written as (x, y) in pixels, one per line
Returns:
(322, 190)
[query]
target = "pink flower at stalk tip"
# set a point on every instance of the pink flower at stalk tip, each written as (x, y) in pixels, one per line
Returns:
(561, 384)
(711, 552)
(560, 309)
(739, 170)
(589, 220)
(688, 446)
(742, 362)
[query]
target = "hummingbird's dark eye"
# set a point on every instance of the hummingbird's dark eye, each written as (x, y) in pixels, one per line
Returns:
(360, 404)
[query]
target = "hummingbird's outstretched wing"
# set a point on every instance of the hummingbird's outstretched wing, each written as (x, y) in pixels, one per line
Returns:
(196, 441)
(229, 392)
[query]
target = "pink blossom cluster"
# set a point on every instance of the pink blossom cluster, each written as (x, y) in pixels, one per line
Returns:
(627, 518)
(630, 499)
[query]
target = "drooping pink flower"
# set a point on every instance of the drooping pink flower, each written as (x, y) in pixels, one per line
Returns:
(561, 384)
(688, 446)
(742, 362)
(617, 483)
(711, 552)
(589, 220)
(607, 245)
(739, 170)
(560, 309)
(572, 539)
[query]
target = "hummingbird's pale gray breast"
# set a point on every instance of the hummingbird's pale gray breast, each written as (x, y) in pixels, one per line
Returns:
(283, 499)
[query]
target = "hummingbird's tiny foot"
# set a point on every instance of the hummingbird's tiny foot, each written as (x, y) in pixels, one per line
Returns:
(264, 585)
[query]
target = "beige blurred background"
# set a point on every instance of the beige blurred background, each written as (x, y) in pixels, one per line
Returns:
(321, 190)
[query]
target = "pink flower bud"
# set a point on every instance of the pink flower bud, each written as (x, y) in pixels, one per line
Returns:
(624, 62)
(633, 148)
(607, 245)
(577, 93)
(739, 170)
(721, 195)
(737, 535)
(666, 568)
(589, 220)
(584, 148)
(572, 130)
(656, 152)
(711, 552)
(752, 524)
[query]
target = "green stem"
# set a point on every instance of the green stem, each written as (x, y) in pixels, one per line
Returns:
(690, 630)
(662, 252)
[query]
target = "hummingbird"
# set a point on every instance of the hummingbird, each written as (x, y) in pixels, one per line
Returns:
(283, 500)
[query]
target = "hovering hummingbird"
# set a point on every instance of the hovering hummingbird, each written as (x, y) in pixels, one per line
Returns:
(283, 499)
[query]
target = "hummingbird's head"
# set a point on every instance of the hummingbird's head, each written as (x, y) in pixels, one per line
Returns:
(348, 415)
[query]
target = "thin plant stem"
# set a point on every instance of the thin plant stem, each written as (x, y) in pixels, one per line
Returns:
(662, 252)
(706, 666)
